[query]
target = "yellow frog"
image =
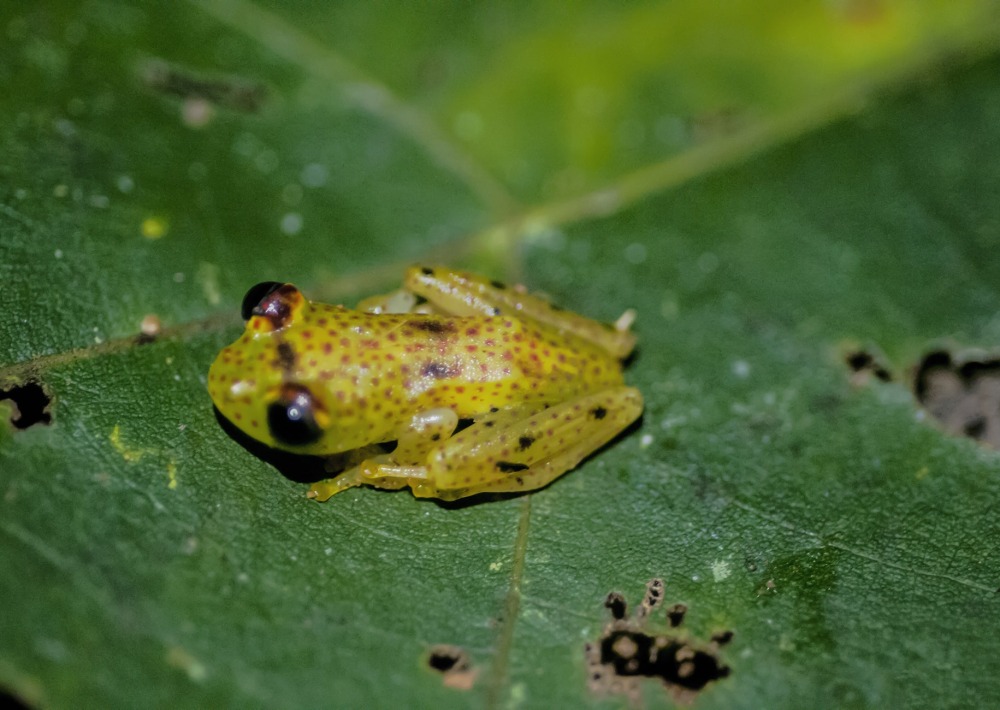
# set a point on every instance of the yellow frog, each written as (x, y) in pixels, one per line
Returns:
(484, 387)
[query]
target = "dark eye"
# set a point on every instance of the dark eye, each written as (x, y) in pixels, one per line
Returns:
(291, 419)
(255, 295)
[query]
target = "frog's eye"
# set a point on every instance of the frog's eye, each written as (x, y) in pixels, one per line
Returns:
(275, 301)
(291, 418)
(255, 296)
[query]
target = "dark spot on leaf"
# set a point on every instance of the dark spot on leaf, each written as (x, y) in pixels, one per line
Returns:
(436, 437)
(863, 362)
(493, 410)
(962, 394)
(426, 271)
(228, 92)
(722, 637)
(975, 428)
(488, 423)
(654, 594)
(525, 442)
(634, 653)
(496, 311)
(498, 285)
(510, 467)
(444, 658)
(615, 603)
(627, 653)
(933, 363)
(651, 599)
(453, 663)
(675, 614)
(598, 412)
(32, 404)
(150, 325)
(858, 360)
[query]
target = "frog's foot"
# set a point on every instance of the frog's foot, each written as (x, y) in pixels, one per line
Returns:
(379, 472)
(405, 466)
(511, 454)
(323, 490)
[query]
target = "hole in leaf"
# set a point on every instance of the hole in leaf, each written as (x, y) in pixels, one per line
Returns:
(627, 654)
(31, 404)
(962, 394)
(722, 637)
(616, 604)
(675, 614)
(453, 663)
(865, 364)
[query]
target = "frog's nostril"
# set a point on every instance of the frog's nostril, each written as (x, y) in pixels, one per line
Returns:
(256, 295)
(291, 418)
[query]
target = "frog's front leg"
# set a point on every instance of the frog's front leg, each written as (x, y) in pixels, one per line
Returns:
(517, 454)
(405, 465)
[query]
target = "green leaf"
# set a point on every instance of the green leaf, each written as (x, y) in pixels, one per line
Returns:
(772, 188)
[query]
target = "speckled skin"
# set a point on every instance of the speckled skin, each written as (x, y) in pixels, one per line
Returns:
(378, 377)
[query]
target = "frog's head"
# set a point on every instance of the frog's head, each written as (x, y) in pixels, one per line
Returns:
(254, 383)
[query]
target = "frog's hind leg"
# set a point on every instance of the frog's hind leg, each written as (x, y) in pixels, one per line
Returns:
(529, 452)
(461, 293)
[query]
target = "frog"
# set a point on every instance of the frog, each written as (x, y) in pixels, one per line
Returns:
(453, 385)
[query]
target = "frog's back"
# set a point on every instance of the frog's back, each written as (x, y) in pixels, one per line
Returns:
(392, 366)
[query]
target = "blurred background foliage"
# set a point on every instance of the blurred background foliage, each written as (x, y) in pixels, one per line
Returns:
(797, 198)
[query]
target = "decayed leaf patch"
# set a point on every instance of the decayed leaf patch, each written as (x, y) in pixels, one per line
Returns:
(864, 365)
(229, 92)
(962, 393)
(454, 665)
(626, 653)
